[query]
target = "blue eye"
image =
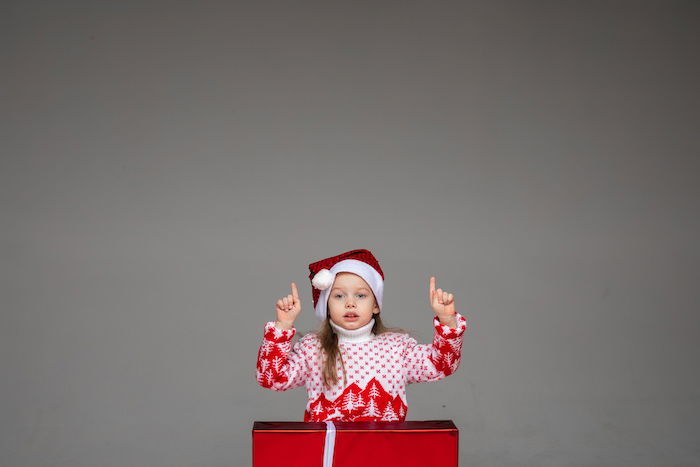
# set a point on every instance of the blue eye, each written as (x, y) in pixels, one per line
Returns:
(362, 295)
(337, 296)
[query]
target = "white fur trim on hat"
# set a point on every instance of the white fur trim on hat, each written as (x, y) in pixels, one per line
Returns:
(362, 269)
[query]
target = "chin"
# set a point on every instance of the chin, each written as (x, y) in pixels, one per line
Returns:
(359, 325)
(351, 325)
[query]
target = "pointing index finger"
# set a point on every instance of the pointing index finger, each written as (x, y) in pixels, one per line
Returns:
(432, 286)
(295, 292)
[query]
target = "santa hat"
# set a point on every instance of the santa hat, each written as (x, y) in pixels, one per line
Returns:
(360, 262)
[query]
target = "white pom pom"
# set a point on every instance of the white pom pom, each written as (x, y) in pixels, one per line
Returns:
(323, 279)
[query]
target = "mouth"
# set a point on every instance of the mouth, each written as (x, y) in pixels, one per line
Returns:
(351, 316)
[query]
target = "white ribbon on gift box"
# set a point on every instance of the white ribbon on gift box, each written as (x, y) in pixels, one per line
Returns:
(330, 445)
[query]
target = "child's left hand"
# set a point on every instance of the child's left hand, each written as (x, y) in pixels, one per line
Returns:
(443, 304)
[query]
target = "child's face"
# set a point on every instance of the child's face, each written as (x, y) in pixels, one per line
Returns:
(351, 303)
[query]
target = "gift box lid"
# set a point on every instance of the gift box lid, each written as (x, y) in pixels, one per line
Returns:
(405, 426)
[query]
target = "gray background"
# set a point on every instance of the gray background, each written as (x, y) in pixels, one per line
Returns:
(169, 168)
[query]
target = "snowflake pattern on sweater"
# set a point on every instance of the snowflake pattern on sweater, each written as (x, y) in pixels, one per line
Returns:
(377, 371)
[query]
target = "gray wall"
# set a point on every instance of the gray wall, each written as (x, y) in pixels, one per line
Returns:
(168, 169)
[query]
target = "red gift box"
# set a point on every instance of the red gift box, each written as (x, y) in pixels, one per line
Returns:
(345, 444)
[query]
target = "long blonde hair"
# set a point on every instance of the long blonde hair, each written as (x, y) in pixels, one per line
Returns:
(329, 347)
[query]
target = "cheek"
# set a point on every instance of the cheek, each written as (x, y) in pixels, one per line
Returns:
(333, 307)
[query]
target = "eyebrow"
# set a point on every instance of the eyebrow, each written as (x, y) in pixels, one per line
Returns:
(360, 288)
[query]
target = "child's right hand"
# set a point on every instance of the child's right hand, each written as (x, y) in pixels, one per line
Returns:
(288, 308)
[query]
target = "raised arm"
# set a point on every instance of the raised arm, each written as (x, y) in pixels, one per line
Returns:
(433, 362)
(423, 363)
(279, 366)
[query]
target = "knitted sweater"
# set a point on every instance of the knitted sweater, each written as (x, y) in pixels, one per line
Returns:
(378, 368)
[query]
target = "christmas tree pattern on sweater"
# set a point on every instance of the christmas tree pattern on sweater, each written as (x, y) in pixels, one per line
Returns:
(355, 404)
(377, 371)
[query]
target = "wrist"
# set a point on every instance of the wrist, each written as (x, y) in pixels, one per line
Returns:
(450, 321)
(284, 326)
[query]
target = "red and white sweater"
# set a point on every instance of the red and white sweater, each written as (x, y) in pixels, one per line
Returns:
(378, 369)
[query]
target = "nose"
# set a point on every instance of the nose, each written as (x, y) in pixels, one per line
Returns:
(350, 303)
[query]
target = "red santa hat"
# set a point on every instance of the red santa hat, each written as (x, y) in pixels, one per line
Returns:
(360, 262)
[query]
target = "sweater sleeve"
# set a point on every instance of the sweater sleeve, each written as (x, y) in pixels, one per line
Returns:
(424, 363)
(279, 366)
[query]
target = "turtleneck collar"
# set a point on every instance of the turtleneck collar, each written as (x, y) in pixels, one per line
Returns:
(354, 336)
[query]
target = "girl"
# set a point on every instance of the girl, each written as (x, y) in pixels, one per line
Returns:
(354, 368)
